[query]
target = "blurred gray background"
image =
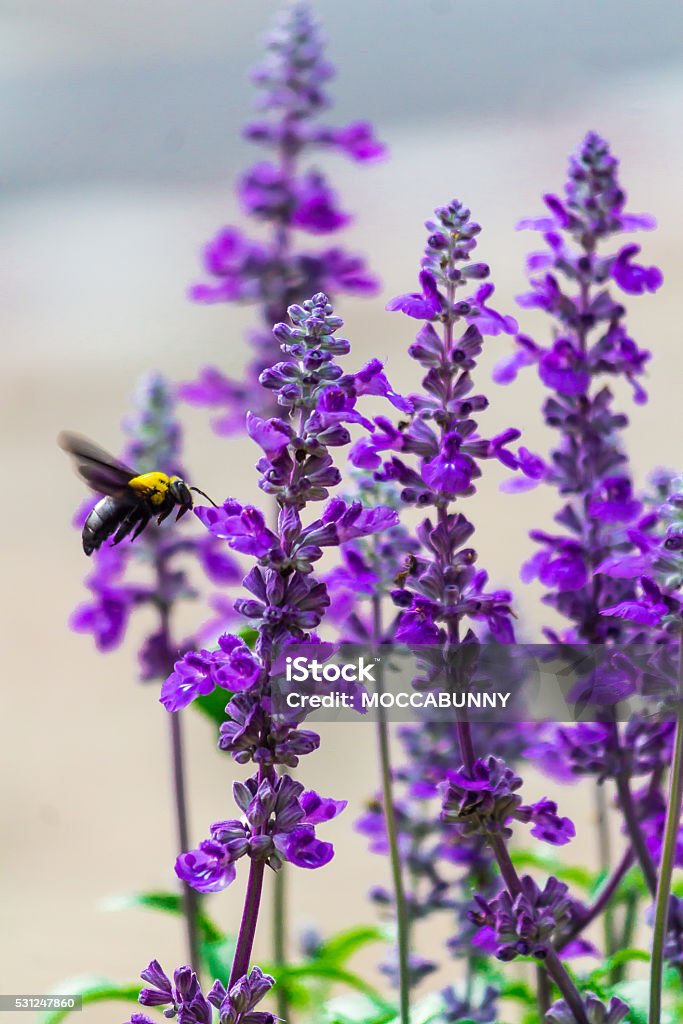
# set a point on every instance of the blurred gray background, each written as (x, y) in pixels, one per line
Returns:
(120, 127)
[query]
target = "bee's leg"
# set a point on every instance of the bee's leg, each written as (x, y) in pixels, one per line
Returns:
(143, 519)
(181, 511)
(164, 515)
(127, 524)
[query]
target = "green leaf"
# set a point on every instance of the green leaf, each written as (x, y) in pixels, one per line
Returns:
(217, 957)
(340, 947)
(637, 995)
(92, 990)
(622, 956)
(571, 874)
(518, 991)
(249, 635)
(354, 1010)
(166, 903)
(212, 705)
(634, 881)
(323, 971)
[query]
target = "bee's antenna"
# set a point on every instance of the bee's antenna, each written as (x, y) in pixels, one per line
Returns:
(204, 495)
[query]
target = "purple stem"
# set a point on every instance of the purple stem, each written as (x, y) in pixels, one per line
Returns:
(252, 902)
(245, 939)
(635, 832)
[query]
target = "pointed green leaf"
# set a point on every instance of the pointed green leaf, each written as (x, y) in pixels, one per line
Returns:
(212, 705)
(330, 972)
(217, 957)
(340, 947)
(166, 903)
(92, 990)
(572, 874)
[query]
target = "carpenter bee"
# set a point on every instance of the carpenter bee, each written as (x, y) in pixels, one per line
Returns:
(130, 499)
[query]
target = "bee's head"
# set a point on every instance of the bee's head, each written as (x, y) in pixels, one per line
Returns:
(180, 493)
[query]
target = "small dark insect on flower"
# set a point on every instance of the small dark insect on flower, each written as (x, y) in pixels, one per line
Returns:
(129, 499)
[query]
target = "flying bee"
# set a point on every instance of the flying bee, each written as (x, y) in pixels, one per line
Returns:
(129, 499)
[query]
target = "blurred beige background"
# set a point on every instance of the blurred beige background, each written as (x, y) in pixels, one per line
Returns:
(120, 128)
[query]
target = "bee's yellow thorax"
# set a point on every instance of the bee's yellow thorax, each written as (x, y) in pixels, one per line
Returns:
(151, 485)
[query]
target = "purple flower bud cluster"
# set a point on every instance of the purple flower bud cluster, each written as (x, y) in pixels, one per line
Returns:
(154, 439)
(279, 825)
(524, 925)
(484, 800)
(287, 195)
(286, 602)
(596, 1011)
(655, 565)
(573, 281)
(183, 997)
(369, 567)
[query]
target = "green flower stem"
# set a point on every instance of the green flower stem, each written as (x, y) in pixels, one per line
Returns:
(402, 924)
(280, 937)
(673, 820)
(189, 896)
(605, 862)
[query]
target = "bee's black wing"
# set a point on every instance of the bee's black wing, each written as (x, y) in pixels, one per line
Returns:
(98, 468)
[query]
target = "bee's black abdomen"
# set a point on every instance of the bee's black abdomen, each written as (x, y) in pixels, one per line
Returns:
(104, 519)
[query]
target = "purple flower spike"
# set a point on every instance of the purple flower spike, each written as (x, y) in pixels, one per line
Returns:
(570, 281)
(288, 196)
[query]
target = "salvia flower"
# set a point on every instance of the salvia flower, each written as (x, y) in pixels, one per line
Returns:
(483, 1010)
(441, 439)
(579, 280)
(485, 799)
(287, 195)
(654, 565)
(523, 925)
(183, 997)
(278, 825)
(285, 602)
(573, 281)
(596, 1011)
